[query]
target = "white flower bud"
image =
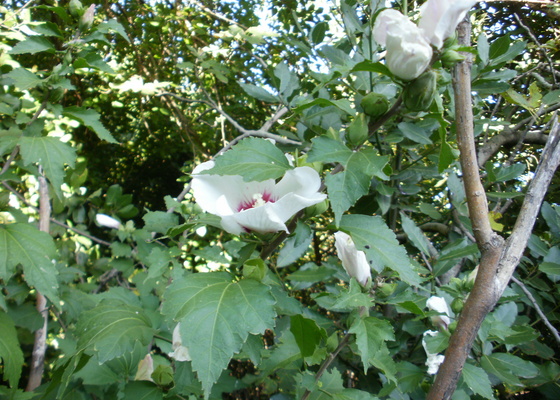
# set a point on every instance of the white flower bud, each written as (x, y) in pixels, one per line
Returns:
(107, 222)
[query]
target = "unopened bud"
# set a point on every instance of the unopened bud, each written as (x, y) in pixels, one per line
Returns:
(451, 57)
(375, 104)
(457, 305)
(420, 93)
(87, 19)
(76, 8)
(358, 132)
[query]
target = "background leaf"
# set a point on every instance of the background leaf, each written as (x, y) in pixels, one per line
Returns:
(216, 317)
(371, 235)
(10, 351)
(26, 245)
(255, 159)
(112, 329)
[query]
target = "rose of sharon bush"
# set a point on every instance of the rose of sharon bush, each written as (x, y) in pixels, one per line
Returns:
(353, 260)
(439, 18)
(256, 206)
(408, 52)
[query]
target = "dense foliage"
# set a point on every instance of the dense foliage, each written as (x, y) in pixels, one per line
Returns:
(106, 109)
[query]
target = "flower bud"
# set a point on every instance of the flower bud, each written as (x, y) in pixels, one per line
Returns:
(108, 222)
(357, 132)
(457, 305)
(353, 260)
(76, 8)
(375, 104)
(87, 19)
(420, 93)
(451, 57)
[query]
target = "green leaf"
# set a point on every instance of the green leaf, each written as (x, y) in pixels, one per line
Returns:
(327, 150)
(446, 156)
(142, 390)
(112, 329)
(499, 46)
(369, 66)
(348, 186)
(415, 235)
(253, 158)
(160, 221)
(10, 350)
(23, 78)
(113, 26)
(258, 93)
(414, 133)
(371, 235)
(307, 334)
(32, 45)
(502, 372)
(34, 250)
(289, 81)
(216, 317)
(318, 32)
(371, 334)
(550, 268)
(347, 300)
(477, 380)
(50, 153)
(312, 273)
(90, 118)
(483, 48)
(295, 246)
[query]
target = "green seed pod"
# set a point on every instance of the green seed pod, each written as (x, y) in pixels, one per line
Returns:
(451, 57)
(375, 104)
(457, 305)
(76, 8)
(358, 131)
(420, 93)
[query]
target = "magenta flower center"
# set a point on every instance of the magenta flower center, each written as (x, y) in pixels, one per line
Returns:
(258, 199)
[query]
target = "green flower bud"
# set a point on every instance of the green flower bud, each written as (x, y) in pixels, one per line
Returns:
(317, 209)
(386, 289)
(87, 19)
(451, 57)
(420, 93)
(358, 131)
(457, 305)
(76, 8)
(375, 104)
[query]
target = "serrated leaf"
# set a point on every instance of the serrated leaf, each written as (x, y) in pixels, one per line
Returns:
(347, 300)
(414, 133)
(371, 235)
(34, 250)
(258, 92)
(307, 334)
(477, 380)
(496, 368)
(90, 118)
(348, 186)
(371, 334)
(325, 149)
(23, 78)
(517, 365)
(253, 158)
(10, 350)
(50, 153)
(160, 221)
(216, 317)
(415, 235)
(32, 45)
(112, 329)
(368, 66)
(295, 246)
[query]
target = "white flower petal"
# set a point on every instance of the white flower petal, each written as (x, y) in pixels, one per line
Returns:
(256, 206)
(434, 360)
(408, 52)
(107, 221)
(439, 305)
(439, 18)
(180, 352)
(353, 260)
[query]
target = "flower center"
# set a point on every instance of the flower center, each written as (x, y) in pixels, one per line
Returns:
(258, 199)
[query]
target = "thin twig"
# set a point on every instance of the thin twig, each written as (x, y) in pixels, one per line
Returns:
(326, 364)
(537, 308)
